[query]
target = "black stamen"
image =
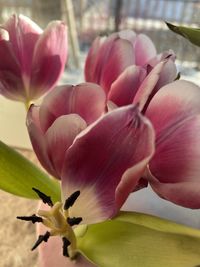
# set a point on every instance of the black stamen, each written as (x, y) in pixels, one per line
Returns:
(33, 218)
(46, 199)
(41, 238)
(70, 200)
(74, 221)
(66, 244)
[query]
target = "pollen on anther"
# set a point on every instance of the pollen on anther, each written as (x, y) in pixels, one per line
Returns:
(66, 244)
(71, 200)
(74, 221)
(33, 218)
(41, 238)
(46, 199)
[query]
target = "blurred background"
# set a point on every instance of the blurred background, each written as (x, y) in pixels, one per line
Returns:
(87, 19)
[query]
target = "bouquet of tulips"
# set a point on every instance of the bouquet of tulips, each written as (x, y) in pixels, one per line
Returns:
(130, 124)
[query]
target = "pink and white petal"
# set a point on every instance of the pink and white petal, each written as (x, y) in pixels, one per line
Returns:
(121, 56)
(89, 69)
(54, 105)
(168, 54)
(174, 103)
(11, 85)
(169, 71)
(87, 100)
(60, 136)
(124, 88)
(177, 153)
(50, 253)
(186, 194)
(167, 75)
(131, 179)
(50, 55)
(128, 35)
(144, 49)
(99, 157)
(146, 89)
(102, 57)
(38, 140)
(23, 34)
(111, 106)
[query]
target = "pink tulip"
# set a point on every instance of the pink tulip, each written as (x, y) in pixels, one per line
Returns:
(64, 112)
(174, 112)
(32, 61)
(120, 63)
(104, 160)
(102, 157)
(174, 171)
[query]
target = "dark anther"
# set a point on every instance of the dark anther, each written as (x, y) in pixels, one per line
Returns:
(33, 218)
(70, 200)
(74, 221)
(46, 199)
(66, 244)
(41, 238)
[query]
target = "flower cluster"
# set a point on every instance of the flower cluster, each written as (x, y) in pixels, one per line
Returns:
(128, 125)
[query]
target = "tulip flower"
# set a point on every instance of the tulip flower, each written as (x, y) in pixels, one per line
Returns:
(99, 159)
(121, 62)
(173, 110)
(174, 170)
(32, 61)
(63, 114)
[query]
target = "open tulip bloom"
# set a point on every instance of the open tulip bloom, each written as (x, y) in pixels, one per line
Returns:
(99, 165)
(32, 60)
(128, 126)
(121, 62)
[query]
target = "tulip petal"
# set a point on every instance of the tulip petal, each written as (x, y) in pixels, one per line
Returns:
(121, 56)
(87, 100)
(128, 35)
(144, 49)
(49, 58)
(185, 194)
(177, 141)
(178, 152)
(38, 140)
(176, 162)
(146, 89)
(91, 60)
(101, 52)
(98, 55)
(60, 136)
(99, 157)
(167, 75)
(174, 103)
(23, 34)
(169, 71)
(124, 89)
(11, 85)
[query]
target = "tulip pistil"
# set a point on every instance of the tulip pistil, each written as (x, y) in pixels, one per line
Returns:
(58, 221)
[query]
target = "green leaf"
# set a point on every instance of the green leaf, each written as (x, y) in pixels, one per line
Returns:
(191, 34)
(18, 175)
(139, 242)
(156, 223)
